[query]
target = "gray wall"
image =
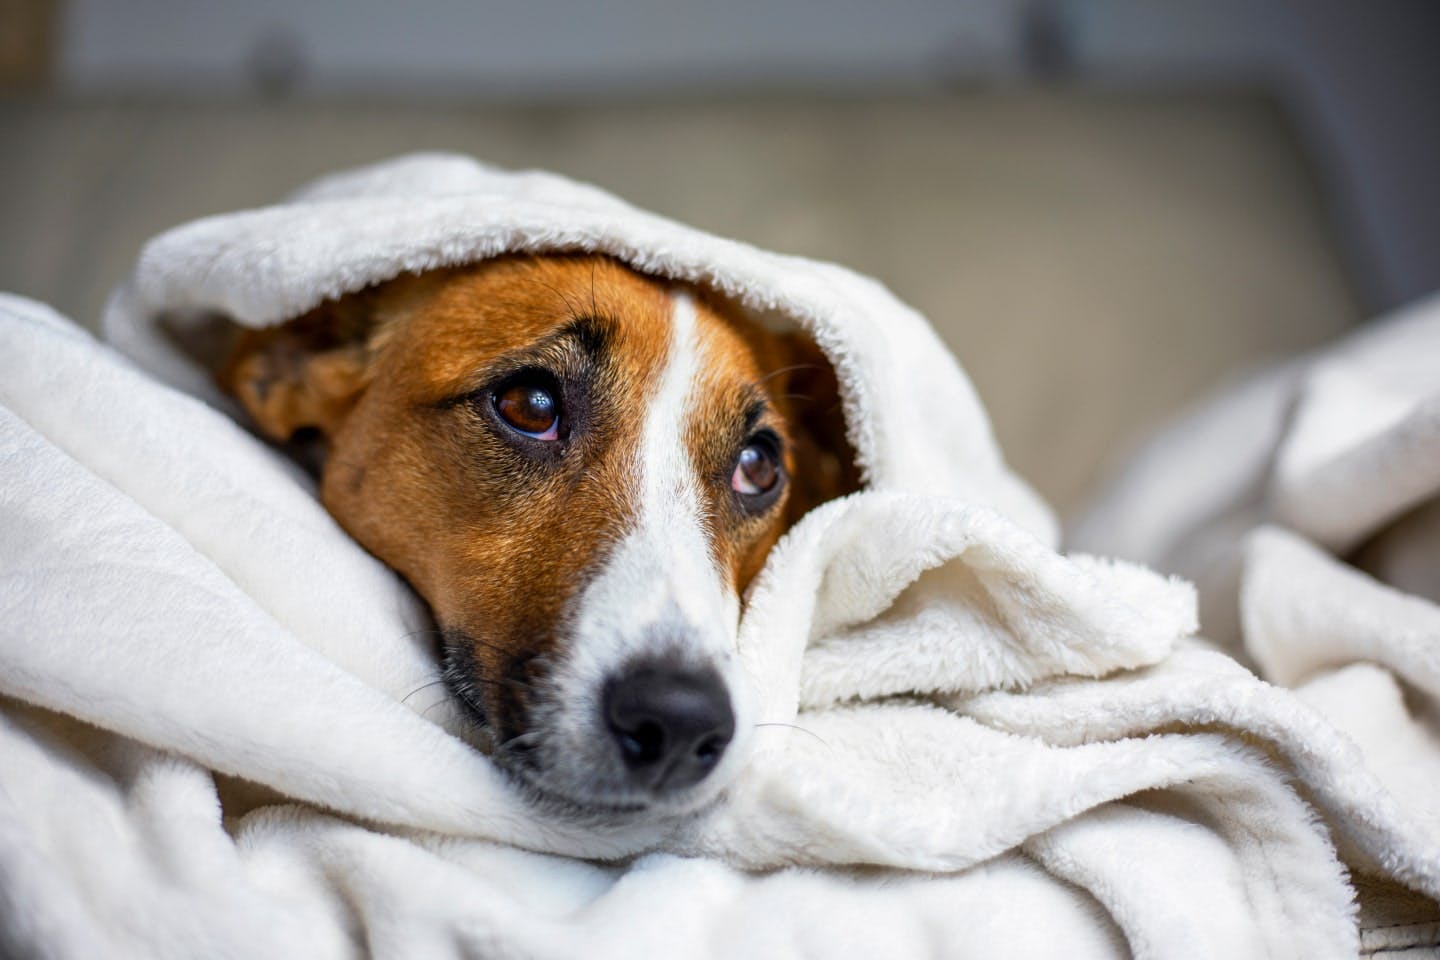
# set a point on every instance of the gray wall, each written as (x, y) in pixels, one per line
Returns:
(1361, 79)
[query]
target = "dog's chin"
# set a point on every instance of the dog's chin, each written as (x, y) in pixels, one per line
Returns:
(575, 802)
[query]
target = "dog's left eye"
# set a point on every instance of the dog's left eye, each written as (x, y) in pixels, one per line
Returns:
(531, 409)
(757, 471)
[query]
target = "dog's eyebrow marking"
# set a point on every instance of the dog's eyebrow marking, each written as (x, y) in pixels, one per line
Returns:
(589, 335)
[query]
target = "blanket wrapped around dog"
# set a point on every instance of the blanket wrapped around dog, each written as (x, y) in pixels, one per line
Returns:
(221, 734)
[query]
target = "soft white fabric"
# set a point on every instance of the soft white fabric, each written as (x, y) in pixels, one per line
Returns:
(220, 738)
(1306, 505)
(1335, 446)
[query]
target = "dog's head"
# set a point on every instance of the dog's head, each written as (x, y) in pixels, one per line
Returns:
(580, 469)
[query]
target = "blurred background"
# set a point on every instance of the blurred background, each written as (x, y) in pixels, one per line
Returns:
(1106, 207)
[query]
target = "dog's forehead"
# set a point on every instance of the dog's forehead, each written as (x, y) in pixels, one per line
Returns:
(468, 318)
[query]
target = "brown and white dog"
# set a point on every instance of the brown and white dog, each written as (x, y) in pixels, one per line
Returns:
(580, 469)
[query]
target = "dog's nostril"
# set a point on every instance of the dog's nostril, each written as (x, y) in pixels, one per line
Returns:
(642, 745)
(671, 725)
(709, 749)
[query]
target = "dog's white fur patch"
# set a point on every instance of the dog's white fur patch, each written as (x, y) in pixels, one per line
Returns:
(660, 592)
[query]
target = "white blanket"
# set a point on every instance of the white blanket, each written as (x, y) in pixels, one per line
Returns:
(1305, 503)
(220, 734)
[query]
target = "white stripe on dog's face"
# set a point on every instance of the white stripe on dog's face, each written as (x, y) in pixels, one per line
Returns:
(662, 576)
(660, 595)
(670, 540)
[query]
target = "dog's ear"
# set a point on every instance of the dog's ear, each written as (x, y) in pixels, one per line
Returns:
(304, 375)
(825, 461)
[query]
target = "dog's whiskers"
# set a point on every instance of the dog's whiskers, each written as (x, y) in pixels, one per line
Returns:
(569, 307)
(423, 686)
(594, 308)
(790, 369)
(793, 726)
(524, 741)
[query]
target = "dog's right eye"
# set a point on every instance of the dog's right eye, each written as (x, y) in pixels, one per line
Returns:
(530, 408)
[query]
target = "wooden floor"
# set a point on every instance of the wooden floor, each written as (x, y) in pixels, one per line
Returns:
(1095, 261)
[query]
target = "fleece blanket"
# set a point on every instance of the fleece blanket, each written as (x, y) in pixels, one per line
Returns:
(1305, 503)
(222, 734)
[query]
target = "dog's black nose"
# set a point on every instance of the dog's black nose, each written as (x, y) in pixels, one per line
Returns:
(672, 725)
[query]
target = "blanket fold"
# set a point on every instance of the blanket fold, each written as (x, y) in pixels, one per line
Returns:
(213, 750)
(1315, 546)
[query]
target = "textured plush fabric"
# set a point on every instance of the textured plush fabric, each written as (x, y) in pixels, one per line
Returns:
(1306, 505)
(219, 738)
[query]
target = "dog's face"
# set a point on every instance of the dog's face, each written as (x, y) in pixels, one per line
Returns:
(580, 469)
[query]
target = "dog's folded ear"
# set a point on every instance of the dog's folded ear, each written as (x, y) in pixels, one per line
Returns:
(304, 375)
(826, 461)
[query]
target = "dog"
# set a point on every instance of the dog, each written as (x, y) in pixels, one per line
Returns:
(580, 469)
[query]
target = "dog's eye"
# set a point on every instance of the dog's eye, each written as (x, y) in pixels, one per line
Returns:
(529, 408)
(757, 471)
